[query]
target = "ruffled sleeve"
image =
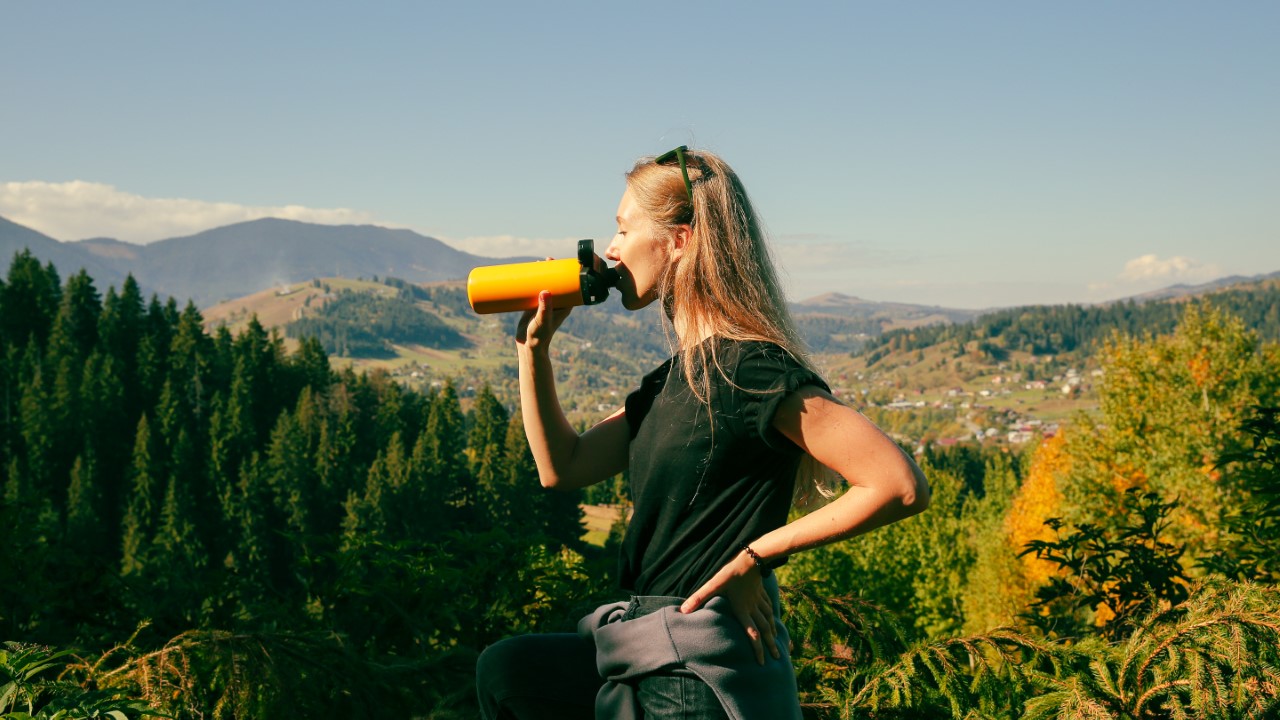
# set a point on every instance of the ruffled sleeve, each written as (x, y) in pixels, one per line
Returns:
(765, 375)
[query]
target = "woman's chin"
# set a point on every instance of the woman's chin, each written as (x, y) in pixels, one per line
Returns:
(631, 302)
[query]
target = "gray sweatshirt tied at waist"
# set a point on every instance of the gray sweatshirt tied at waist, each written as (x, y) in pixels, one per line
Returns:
(710, 642)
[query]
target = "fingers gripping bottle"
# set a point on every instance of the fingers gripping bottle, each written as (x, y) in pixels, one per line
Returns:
(515, 286)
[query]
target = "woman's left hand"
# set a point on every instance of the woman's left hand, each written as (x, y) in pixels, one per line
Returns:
(741, 583)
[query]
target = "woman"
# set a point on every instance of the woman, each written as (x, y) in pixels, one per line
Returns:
(713, 441)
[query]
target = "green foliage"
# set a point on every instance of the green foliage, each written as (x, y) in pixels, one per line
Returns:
(1076, 329)
(197, 486)
(296, 542)
(833, 636)
(917, 566)
(1122, 572)
(1250, 548)
(1170, 407)
(834, 334)
(27, 692)
(1214, 656)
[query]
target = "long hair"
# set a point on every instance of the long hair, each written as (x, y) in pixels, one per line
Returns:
(725, 284)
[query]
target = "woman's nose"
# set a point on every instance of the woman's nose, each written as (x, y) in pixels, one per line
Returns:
(611, 252)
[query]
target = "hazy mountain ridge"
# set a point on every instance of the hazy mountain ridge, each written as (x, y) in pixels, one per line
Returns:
(240, 259)
(236, 260)
(887, 314)
(67, 257)
(1183, 290)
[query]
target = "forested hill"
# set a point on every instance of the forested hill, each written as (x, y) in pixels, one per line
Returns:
(1079, 329)
(190, 494)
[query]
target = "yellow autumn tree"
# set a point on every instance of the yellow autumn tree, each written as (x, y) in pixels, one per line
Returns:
(1036, 501)
(1169, 405)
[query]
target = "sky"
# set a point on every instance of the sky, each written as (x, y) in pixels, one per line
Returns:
(970, 155)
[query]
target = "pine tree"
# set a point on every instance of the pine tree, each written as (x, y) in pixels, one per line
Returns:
(189, 352)
(29, 300)
(120, 327)
(255, 349)
(85, 507)
(75, 326)
(426, 499)
(107, 426)
(312, 364)
(257, 557)
(335, 468)
(378, 514)
(446, 443)
(73, 337)
(231, 443)
(8, 393)
(41, 487)
(221, 360)
(152, 361)
(179, 555)
(389, 415)
(486, 449)
(289, 466)
(530, 507)
(142, 516)
(119, 332)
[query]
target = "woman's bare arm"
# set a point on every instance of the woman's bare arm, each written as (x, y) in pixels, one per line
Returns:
(565, 459)
(885, 485)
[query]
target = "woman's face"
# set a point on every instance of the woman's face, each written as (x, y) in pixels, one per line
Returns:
(642, 251)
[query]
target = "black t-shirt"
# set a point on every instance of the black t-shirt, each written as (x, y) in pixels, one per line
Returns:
(701, 489)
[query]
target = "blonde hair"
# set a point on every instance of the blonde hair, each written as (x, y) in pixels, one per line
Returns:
(725, 283)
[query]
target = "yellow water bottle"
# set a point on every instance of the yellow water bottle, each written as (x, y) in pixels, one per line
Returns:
(515, 286)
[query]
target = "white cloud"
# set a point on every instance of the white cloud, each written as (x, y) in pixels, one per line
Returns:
(78, 209)
(1150, 272)
(1150, 268)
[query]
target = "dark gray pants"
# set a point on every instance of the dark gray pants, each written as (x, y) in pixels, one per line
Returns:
(553, 677)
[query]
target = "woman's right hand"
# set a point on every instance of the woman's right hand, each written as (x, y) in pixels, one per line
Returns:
(537, 326)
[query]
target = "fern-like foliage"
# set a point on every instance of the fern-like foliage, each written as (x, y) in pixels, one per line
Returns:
(216, 675)
(1214, 657)
(957, 677)
(32, 687)
(833, 637)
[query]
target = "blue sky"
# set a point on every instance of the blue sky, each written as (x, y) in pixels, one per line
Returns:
(964, 154)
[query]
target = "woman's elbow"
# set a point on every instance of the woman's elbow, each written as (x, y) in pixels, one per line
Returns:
(915, 493)
(550, 480)
(557, 481)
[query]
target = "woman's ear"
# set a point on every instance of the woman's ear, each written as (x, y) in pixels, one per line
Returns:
(680, 237)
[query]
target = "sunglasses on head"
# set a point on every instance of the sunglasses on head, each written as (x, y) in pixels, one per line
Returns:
(678, 154)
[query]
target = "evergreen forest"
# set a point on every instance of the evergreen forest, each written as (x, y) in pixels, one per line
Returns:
(197, 524)
(1080, 329)
(365, 325)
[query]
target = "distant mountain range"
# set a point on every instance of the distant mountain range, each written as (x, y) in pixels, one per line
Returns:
(1181, 290)
(898, 314)
(236, 260)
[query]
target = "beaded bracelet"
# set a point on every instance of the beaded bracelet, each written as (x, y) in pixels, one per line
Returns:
(759, 561)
